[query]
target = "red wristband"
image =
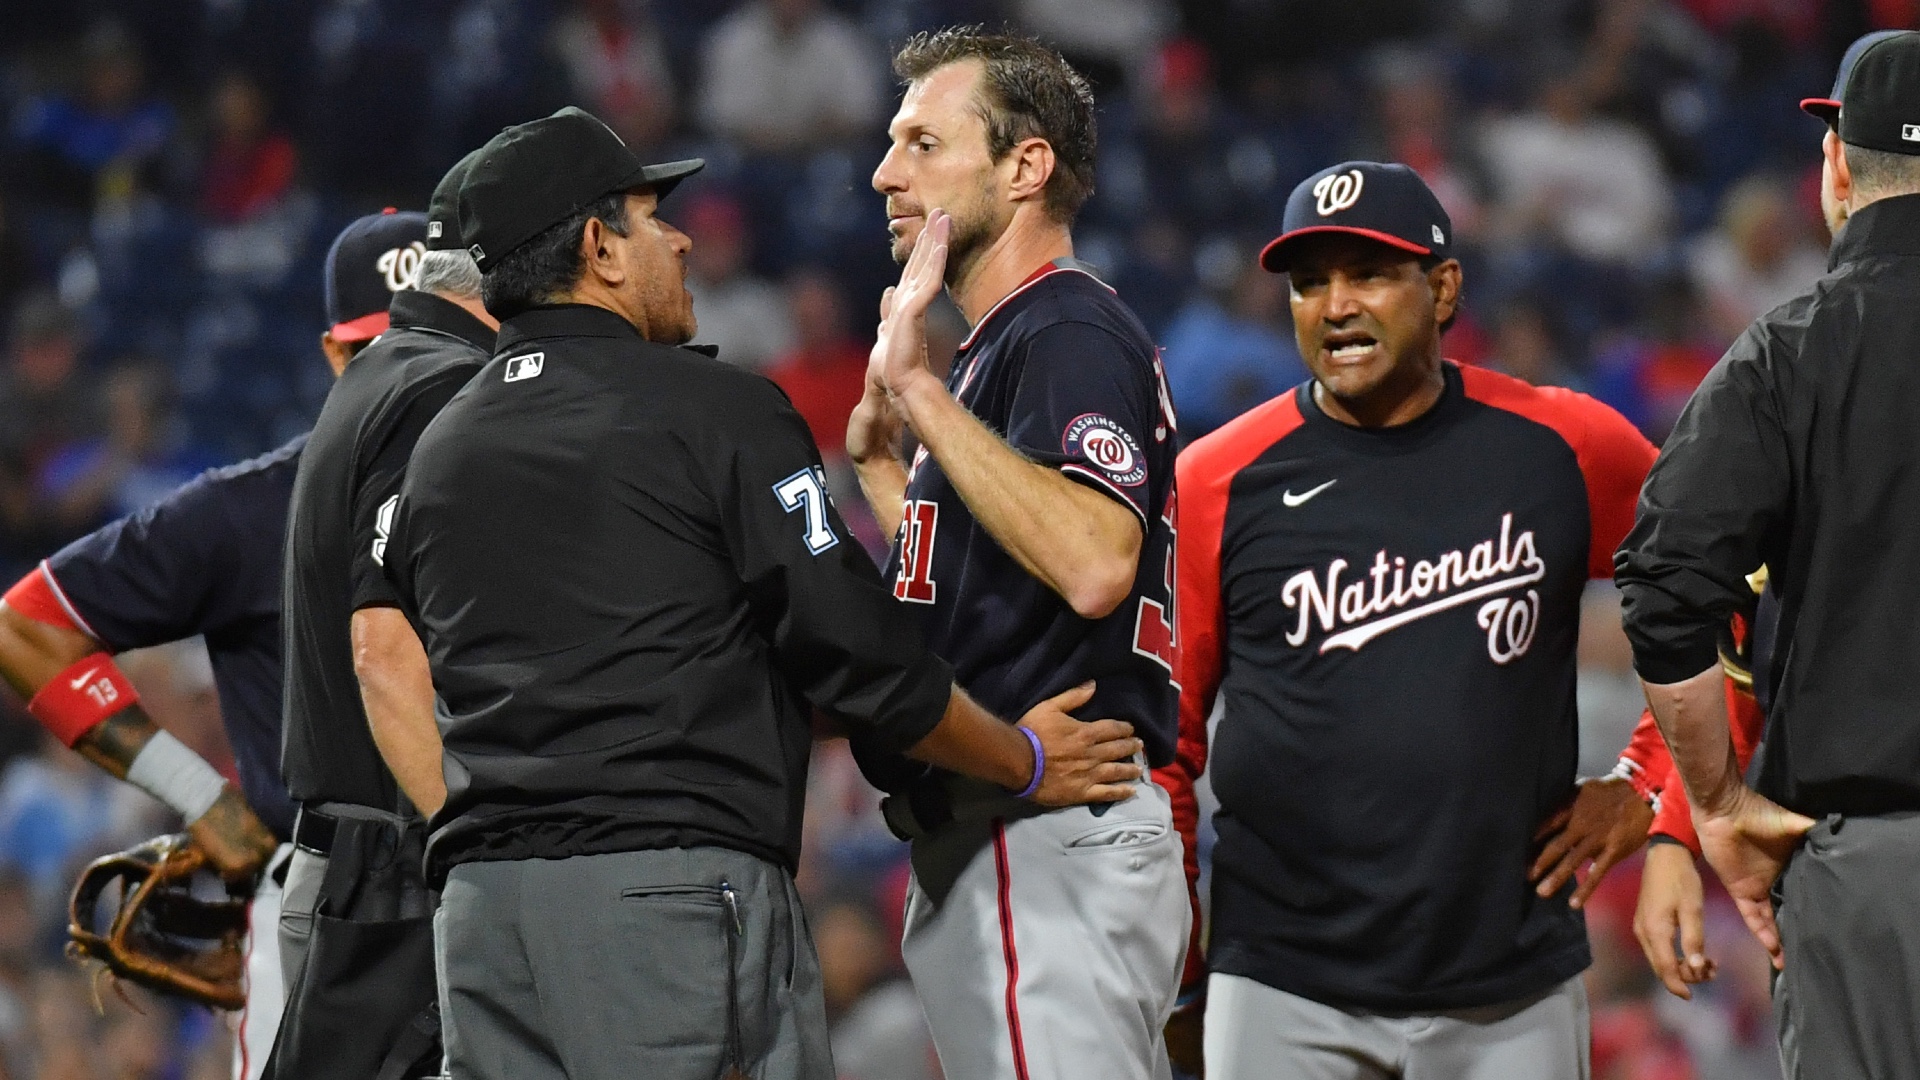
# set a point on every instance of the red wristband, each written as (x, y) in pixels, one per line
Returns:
(73, 702)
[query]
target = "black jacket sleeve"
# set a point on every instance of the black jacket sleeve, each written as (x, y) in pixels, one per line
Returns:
(1720, 490)
(838, 634)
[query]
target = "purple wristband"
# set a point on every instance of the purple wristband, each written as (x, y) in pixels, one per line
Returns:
(1039, 762)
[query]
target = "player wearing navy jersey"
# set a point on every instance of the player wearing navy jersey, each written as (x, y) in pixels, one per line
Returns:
(205, 560)
(1033, 534)
(1380, 576)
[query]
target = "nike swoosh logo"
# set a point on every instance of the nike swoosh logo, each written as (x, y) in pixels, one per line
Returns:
(84, 676)
(1293, 500)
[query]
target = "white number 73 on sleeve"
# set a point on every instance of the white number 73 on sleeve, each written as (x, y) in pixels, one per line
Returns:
(806, 490)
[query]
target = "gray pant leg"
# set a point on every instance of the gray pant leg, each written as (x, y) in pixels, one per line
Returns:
(305, 872)
(1847, 1004)
(1255, 1032)
(637, 964)
(491, 1021)
(1544, 1037)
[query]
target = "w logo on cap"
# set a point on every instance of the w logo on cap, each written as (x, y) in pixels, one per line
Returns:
(1337, 192)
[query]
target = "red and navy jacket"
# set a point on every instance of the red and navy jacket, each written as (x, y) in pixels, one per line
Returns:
(1064, 372)
(1390, 618)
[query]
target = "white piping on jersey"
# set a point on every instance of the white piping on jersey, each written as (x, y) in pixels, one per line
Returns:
(1350, 604)
(973, 362)
(66, 605)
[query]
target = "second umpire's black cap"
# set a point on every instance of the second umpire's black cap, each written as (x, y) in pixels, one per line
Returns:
(1876, 93)
(535, 175)
(1383, 202)
(443, 215)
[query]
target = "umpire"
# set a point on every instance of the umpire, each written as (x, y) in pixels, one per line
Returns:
(355, 930)
(1798, 451)
(633, 588)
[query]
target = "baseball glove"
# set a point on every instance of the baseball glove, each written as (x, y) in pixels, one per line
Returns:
(161, 935)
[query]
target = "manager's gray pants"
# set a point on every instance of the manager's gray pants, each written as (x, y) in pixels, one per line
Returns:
(1255, 1032)
(1847, 1004)
(685, 963)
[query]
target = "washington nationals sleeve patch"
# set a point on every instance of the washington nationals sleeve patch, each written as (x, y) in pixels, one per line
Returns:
(1104, 444)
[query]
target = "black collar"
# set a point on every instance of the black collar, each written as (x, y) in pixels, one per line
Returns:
(1888, 226)
(564, 320)
(575, 320)
(413, 309)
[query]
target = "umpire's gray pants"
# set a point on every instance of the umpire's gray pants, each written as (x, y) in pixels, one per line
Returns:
(1847, 1004)
(683, 964)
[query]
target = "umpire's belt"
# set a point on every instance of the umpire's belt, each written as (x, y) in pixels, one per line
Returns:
(317, 825)
(314, 830)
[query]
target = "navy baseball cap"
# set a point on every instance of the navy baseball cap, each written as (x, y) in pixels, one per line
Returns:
(533, 176)
(370, 260)
(1384, 202)
(443, 219)
(1875, 101)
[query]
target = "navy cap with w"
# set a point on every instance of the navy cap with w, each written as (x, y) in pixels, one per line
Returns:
(1384, 202)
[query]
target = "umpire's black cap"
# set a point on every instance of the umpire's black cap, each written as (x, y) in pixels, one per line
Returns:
(1876, 94)
(534, 175)
(1387, 203)
(443, 220)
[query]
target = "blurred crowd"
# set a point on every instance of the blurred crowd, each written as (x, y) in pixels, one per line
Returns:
(1629, 180)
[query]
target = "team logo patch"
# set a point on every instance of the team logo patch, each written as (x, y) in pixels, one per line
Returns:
(1332, 194)
(1107, 446)
(400, 267)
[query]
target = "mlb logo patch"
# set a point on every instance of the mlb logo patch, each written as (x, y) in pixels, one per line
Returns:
(525, 367)
(1910, 132)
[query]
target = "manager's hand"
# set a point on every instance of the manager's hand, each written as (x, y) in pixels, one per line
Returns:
(1671, 902)
(1606, 822)
(1086, 760)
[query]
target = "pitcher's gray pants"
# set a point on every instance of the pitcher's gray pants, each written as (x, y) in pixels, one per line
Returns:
(1255, 1032)
(1847, 1004)
(681, 964)
(1049, 947)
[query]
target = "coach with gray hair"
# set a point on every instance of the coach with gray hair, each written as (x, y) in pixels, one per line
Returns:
(355, 925)
(1798, 452)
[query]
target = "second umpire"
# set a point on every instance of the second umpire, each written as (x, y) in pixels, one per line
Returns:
(634, 590)
(355, 926)
(1798, 451)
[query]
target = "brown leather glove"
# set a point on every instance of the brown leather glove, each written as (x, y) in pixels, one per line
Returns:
(160, 934)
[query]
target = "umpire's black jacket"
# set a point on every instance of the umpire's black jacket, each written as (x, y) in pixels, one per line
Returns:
(1800, 451)
(633, 589)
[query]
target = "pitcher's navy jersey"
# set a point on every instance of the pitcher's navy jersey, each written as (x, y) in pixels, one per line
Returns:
(1391, 616)
(1068, 376)
(204, 560)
